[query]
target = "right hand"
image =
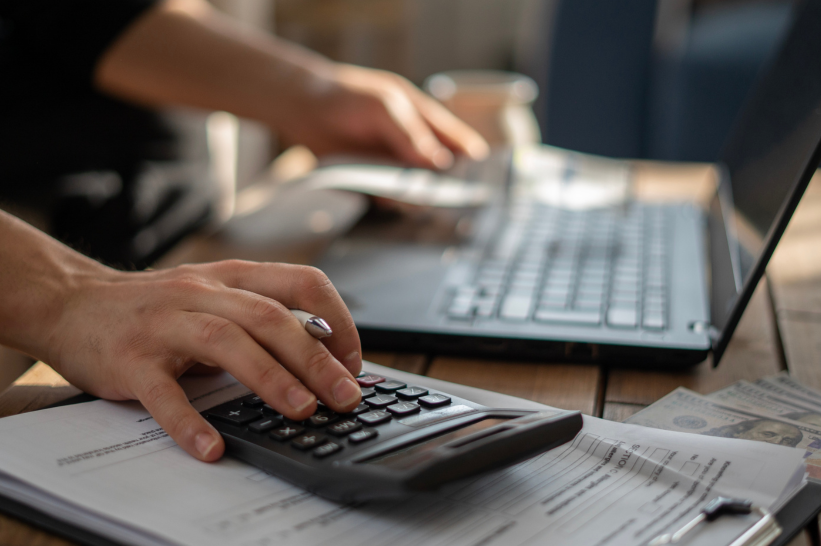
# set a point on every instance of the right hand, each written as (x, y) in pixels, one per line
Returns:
(127, 336)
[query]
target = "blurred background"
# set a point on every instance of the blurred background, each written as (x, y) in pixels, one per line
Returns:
(649, 79)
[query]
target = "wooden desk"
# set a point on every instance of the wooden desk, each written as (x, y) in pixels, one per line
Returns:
(778, 330)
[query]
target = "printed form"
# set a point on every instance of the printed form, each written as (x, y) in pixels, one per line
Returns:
(108, 467)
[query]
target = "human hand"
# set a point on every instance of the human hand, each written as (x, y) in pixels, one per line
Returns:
(346, 108)
(126, 336)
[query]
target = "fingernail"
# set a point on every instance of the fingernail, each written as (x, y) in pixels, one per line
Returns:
(353, 362)
(299, 398)
(346, 392)
(205, 442)
(442, 158)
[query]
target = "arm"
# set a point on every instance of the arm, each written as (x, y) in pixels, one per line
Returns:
(127, 336)
(183, 52)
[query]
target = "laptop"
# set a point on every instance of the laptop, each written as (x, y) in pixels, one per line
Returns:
(633, 283)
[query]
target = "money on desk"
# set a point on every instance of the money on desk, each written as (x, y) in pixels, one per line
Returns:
(742, 411)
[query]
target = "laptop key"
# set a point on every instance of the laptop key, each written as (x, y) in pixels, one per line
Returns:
(516, 307)
(622, 317)
(653, 321)
(585, 317)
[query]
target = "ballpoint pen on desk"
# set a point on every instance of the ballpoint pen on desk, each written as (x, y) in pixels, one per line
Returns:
(315, 325)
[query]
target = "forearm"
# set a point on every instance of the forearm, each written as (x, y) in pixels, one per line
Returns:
(38, 276)
(183, 52)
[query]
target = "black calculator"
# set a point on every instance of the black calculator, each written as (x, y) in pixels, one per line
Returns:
(402, 439)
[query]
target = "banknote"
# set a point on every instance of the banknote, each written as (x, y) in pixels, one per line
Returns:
(686, 411)
(767, 400)
(785, 386)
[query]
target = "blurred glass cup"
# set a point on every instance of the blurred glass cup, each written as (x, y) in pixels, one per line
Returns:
(495, 103)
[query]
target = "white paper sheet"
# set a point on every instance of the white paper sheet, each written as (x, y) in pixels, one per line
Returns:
(106, 466)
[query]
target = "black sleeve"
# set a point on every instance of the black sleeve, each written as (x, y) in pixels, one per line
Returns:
(60, 41)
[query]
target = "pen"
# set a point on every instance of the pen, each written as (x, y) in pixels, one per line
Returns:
(315, 326)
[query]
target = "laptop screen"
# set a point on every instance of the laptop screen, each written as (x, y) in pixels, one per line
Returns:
(765, 166)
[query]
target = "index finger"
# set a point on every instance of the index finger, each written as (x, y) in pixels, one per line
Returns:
(305, 288)
(449, 129)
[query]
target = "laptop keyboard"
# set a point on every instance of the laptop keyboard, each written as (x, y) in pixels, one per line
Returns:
(587, 268)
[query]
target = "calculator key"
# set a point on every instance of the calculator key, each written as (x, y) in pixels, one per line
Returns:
(389, 387)
(361, 408)
(369, 380)
(285, 432)
(234, 415)
(381, 400)
(322, 418)
(308, 441)
(252, 401)
(374, 417)
(269, 410)
(327, 449)
(403, 408)
(367, 392)
(412, 392)
(265, 425)
(434, 400)
(362, 435)
(344, 427)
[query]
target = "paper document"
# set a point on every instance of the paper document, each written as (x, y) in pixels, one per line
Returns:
(415, 186)
(108, 467)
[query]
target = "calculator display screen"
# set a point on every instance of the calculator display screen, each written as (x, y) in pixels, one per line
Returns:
(411, 456)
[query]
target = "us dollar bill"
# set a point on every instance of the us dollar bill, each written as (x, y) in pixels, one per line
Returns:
(686, 411)
(771, 401)
(785, 386)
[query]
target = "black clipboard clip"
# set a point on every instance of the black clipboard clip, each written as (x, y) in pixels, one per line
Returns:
(762, 533)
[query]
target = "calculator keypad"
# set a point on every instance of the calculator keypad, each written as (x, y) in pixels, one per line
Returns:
(308, 441)
(329, 448)
(434, 400)
(322, 418)
(344, 427)
(411, 393)
(265, 425)
(286, 432)
(362, 435)
(369, 380)
(374, 417)
(383, 400)
(389, 387)
(234, 415)
(403, 408)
